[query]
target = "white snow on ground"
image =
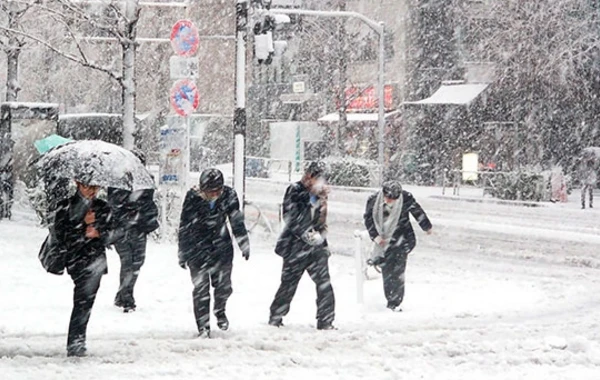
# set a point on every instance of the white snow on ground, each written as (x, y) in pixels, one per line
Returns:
(497, 292)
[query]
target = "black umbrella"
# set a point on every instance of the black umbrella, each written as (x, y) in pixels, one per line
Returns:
(97, 163)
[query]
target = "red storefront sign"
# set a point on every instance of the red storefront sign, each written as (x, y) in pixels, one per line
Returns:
(360, 99)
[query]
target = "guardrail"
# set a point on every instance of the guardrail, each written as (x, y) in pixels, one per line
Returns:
(263, 167)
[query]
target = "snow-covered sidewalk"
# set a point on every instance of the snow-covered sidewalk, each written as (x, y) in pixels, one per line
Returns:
(479, 305)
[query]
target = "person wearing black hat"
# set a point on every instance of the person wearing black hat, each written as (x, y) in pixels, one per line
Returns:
(82, 229)
(387, 220)
(303, 246)
(206, 247)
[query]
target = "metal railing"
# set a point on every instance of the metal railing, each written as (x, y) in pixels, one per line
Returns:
(292, 169)
(486, 180)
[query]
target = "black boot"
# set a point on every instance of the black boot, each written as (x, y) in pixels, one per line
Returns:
(276, 321)
(204, 332)
(222, 322)
(76, 348)
(118, 301)
(321, 325)
(128, 308)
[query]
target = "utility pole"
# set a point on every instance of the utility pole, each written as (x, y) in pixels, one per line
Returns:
(239, 113)
(342, 60)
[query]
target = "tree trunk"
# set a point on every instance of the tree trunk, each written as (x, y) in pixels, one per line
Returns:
(12, 60)
(128, 81)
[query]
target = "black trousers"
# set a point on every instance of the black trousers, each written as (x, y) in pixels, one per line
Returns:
(203, 276)
(393, 278)
(132, 251)
(87, 283)
(316, 264)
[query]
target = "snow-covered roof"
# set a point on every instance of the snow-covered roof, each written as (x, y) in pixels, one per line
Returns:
(14, 105)
(373, 116)
(88, 114)
(450, 93)
(285, 3)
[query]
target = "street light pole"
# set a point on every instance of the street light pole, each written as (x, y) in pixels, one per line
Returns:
(381, 104)
(239, 114)
(379, 28)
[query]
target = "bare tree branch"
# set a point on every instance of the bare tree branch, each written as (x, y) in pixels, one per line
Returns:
(75, 39)
(70, 57)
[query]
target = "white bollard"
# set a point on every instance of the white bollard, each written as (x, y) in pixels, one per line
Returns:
(358, 260)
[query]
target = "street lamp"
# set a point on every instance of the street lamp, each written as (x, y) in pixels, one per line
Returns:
(379, 28)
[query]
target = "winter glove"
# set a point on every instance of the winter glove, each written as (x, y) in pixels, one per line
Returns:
(244, 245)
(318, 239)
(313, 238)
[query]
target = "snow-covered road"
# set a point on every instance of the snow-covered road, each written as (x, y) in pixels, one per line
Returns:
(498, 292)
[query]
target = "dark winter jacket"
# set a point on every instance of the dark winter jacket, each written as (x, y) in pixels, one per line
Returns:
(132, 212)
(403, 239)
(298, 220)
(203, 233)
(69, 228)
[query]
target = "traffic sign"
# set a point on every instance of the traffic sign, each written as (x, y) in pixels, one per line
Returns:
(183, 67)
(184, 97)
(172, 149)
(298, 87)
(185, 38)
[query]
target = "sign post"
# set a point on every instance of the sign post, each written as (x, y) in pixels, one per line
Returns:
(184, 99)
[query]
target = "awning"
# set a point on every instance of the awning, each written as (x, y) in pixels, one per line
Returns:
(355, 116)
(296, 98)
(454, 94)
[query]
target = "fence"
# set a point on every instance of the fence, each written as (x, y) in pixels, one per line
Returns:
(263, 167)
(343, 171)
(486, 180)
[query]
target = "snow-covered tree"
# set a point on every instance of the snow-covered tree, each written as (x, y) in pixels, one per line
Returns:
(547, 71)
(13, 15)
(79, 21)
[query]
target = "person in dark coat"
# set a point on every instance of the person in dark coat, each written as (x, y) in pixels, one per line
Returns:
(387, 220)
(82, 227)
(303, 247)
(205, 245)
(134, 216)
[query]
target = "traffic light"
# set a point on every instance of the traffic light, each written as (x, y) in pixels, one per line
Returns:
(263, 40)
